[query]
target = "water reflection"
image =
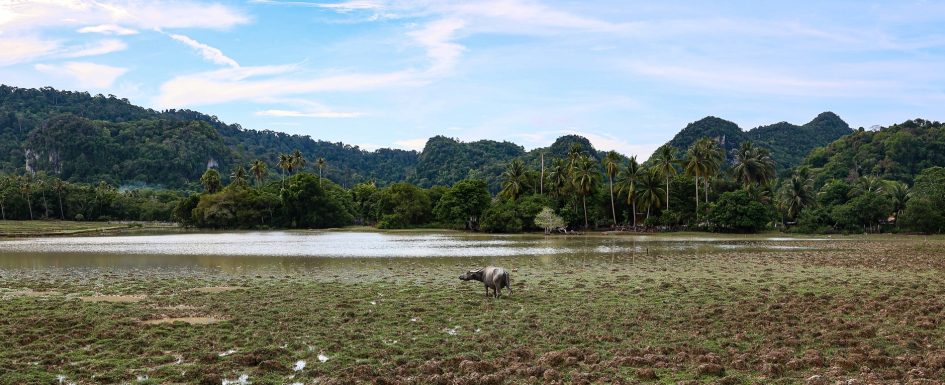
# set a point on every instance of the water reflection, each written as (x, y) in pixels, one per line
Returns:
(299, 250)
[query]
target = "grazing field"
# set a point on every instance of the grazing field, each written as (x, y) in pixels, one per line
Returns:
(752, 310)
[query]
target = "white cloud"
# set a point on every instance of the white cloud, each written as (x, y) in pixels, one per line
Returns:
(15, 50)
(99, 48)
(84, 74)
(411, 144)
(435, 37)
(313, 114)
(107, 29)
(344, 6)
(231, 84)
(210, 53)
(39, 14)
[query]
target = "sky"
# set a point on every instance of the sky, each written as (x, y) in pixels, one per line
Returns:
(626, 74)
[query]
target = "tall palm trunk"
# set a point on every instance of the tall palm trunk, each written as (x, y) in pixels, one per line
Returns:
(29, 203)
(584, 202)
(613, 208)
(705, 190)
(634, 213)
(62, 214)
(45, 206)
(667, 193)
(697, 196)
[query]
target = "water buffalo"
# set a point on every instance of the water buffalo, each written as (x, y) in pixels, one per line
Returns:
(492, 277)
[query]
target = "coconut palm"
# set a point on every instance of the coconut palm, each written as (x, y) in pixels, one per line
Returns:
(210, 181)
(899, 192)
(665, 163)
(715, 158)
(285, 163)
(797, 194)
(649, 190)
(695, 165)
(259, 170)
(574, 154)
(753, 165)
(868, 185)
(26, 188)
(559, 177)
(627, 184)
(514, 180)
(298, 160)
(238, 177)
(321, 164)
(585, 178)
(60, 187)
(611, 165)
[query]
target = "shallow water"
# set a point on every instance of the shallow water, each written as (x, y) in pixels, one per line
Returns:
(307, 249)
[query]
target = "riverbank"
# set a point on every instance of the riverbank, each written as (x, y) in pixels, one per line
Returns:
(781, 312)
(41, 228)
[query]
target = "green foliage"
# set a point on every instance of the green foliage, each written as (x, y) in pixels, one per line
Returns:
(462, 204)
(925, 210)
(501, 217)
(737, 211)
(234, 207)
(863, 212)
(402, 205)
(898, 152)
(309, 203)
(211, 181)
(547, 220)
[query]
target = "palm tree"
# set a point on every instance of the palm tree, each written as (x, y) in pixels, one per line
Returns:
(715, 158)
(611, 164)
(797, 194)
(585, 178)
(26, 188)
(320, 163)
(285, 163)
(899, 192)
(238, 177)
(695, 166)
(868, 185)
(665, 163)
(650, 190)
(514, 180)
(628, 185)
(574, 153)
(753, 165)
(559, 177)
(60, 186)
(259, 170)
(210, 181)
(298, 160)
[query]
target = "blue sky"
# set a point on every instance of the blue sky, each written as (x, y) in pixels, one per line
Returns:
(378, 73)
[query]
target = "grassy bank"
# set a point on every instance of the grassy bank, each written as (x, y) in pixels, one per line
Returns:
(866, 310)
(38, 228)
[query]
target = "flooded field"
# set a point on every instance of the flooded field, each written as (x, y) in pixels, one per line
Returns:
(371, 307)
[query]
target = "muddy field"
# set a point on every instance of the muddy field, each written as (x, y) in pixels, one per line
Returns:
(851, 311)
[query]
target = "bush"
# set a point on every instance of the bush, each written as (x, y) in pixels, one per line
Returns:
(548, 220)
(925, 211)
(737, 211)
(501, 217)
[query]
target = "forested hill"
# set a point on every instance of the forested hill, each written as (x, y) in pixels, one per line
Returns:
(91, 138)
(898, 152)
(788, 143)
(87, 138)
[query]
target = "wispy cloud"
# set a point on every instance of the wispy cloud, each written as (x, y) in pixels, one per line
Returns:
(108, 29)
(212, 54)
(84, 74)
(303, 114)
(95, 49)
(135, 13)
(437, 37)
(344, 6)
(15, 50)
(411, 144)
(244, 83)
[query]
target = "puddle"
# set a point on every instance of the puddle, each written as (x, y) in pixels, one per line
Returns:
(189, 320)
(31, 293)
(114, 298)
(216, 289)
